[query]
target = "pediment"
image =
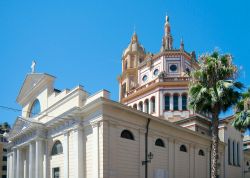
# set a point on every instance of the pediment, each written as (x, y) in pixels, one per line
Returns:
(31, 82)
(22, 124)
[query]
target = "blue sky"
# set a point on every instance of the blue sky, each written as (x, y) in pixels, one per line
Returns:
(81, 42)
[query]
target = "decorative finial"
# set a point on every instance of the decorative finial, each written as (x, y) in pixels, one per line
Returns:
(134, 29)
(182, 44)
(33, 66)
(167, 18)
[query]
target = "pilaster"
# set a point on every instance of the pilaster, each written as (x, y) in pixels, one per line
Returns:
(78, 151)
(192, 161)
(171, 156)
(66, 154)
(95, 127)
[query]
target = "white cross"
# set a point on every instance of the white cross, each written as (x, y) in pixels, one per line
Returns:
(33, 66)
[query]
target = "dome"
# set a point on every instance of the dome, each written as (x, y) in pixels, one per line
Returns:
(134, 46)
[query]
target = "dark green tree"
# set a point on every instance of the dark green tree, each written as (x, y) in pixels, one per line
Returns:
(242, 112)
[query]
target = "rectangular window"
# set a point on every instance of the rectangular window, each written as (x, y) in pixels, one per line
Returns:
(56, 172)
(167, 103)
(176, 103)
(233, 153)
(238, 155)
(4, 158)
(4, 168)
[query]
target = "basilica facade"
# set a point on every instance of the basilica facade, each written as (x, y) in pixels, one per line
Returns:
(150, 132)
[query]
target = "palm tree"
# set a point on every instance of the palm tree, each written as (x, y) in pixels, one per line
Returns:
(242, 112)
(214, 89)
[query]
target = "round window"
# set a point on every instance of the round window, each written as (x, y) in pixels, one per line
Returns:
(144, 78)
(156, 72)
(173, 67)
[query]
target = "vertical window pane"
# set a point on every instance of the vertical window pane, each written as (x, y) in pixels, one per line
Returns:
(229, 152)
(146, 106)
(238, 155)
(233, 153)
(167, 102)
(56, 172)
(176, 102)
(184, 102)
(153, 104)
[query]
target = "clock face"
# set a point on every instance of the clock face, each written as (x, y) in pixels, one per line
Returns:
(173, 68)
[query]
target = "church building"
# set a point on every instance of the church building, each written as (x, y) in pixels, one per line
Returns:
(150, 132)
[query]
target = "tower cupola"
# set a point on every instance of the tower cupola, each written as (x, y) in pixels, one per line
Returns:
(134, 46)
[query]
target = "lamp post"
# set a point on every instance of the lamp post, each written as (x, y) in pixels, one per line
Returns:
(149, 158)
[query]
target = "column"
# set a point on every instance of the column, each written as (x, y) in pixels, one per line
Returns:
(66, 154)
(171, 102)
(180, 101)
(144, 107)
(78, 152)
(19, 169)
(31, 160)
(39, 159)
(26, 164)
(11, 175)
(46, 171)
(14, 162)
(95, 127)
(150, 106)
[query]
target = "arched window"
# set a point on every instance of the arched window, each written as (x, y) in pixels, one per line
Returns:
(229, 151)
(184, 102)
(35, 108)
(167, 102)
(141, 106)
(247, 163)
(176, 102)
(152, 104)
(57, 148)
(135, 106)
(127, 135)
(183, 148)
(125, 65)
(159, 142)
(201, 153)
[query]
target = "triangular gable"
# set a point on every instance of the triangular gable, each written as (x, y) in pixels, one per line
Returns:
(22, 124)
(30, 82)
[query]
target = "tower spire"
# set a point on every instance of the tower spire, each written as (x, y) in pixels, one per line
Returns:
(167, 43)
